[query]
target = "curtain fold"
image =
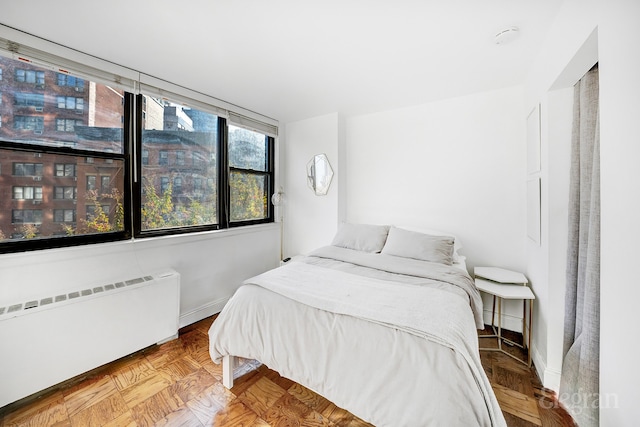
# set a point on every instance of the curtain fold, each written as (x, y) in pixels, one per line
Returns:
(579, 384)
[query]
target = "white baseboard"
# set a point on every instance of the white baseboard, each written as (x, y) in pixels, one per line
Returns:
(202, 312)
(511, 323)
(550, 378)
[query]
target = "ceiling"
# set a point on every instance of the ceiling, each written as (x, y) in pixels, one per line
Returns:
(295, 59)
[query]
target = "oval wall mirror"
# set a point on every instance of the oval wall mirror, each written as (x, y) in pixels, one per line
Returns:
(319, 174)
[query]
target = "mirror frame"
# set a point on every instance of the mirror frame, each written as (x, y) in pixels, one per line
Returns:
(319, 174)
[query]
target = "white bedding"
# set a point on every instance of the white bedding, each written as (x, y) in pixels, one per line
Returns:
(394, 349)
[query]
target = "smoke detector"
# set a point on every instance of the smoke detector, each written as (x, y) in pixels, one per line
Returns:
(507, 35)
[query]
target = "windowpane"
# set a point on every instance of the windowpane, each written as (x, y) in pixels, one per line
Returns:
(248, 196)
(91, 120)
(47, 194)
(174, 135)
(247, 149)
(250, 176)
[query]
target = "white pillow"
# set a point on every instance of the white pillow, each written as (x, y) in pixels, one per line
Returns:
(425, 247)
(361, 237)
(457, 245)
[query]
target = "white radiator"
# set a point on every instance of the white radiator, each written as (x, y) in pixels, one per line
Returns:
(47, 341)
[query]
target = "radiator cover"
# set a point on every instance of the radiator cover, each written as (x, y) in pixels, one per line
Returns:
(44, 342)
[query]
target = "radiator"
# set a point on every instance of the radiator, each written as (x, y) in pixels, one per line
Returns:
(47, 341)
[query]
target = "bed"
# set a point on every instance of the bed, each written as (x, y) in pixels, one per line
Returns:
(382, 322)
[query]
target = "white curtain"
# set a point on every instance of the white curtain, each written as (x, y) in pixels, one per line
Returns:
(579, 383)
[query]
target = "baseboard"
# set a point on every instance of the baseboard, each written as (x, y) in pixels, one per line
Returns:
(509, 322)
(539, 362)
(550, 378)
(202, 312)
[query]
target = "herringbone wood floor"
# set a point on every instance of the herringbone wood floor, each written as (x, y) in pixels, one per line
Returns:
(177, 384)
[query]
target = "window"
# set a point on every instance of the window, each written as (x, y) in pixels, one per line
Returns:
(65, 169)
(26, 216)
(27, 193)
(29, 100)
(177, 185)
(69, 193)
(27, 169)
(51, 181)
(167, 202)
(34, 123)
(91, 182)
(64, 215)
(164, 185)
(180, 158)
(70, 81)
(33, 77)
(70, 103)
(105, 183)
(251, 176)
(89, 166)
(67, 125)
(163, 157)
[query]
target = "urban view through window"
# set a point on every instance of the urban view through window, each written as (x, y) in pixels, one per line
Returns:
(62, 159)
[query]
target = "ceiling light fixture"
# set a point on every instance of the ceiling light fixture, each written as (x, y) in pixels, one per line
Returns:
(507, 35)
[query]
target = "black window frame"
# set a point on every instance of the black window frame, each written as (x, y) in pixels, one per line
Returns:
(23, 245)
(269, 174)
(131, 158)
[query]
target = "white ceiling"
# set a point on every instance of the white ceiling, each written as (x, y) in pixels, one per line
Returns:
(295, 59)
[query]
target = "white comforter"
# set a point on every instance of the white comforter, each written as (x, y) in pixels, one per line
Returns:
(395, 345)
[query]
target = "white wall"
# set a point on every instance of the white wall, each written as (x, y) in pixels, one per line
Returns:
(211, 264)
(619, 66)
(456, 165)
(311, 221)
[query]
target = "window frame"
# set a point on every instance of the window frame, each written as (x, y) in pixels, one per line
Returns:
(134, 84)
(11, 246)
(269, 173)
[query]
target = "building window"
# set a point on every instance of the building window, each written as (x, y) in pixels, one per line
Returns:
(67, 125)
(27, 193)
(177, 185)
(27, 169)
(145, 157)
(70, 103)
(180, 158)
(29, 100)
(34, 123)
(91, 182)
(164, 185)
(163, 158)
(33, 77)
(26, 216)
(69, 193)
(105, 183)
(64, 215)
(70, 81)
(67, 169)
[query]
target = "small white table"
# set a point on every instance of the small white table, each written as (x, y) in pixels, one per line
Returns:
(505, 284)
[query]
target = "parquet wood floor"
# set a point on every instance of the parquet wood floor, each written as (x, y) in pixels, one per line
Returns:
(177, 384)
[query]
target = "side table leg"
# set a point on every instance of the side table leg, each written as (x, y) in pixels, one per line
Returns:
(493, 312)
(530, 329)
(499, 323)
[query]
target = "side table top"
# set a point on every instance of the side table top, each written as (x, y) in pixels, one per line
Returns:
(500, 275)
(506, 291)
